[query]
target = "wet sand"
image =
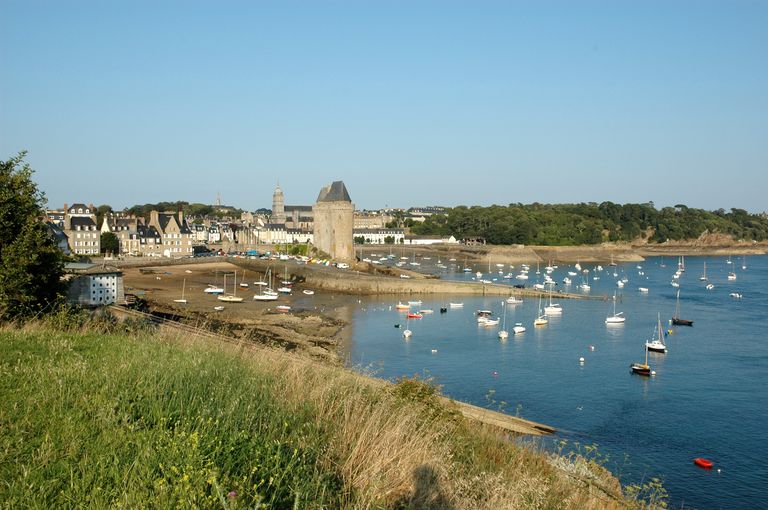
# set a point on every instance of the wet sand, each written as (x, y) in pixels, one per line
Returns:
(315, 324)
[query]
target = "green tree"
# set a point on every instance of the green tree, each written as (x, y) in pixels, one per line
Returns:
(110, 243)
(31, 265)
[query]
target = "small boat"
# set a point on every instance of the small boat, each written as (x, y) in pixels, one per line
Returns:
(620, 284)
(710, 286)
(182, 300)
(735, 295)
(644, 290)
(553, 308)
(514, 300)
(416, 303)
(489, 322)
(703, 463)
(308, 292)
(519, 328)
(703, 277)
(641, 368)
(230, 298)
(426, 311)
(284, 290)
(402, 306)
(731, 276)
(455, 305)
(213, 289)
(657, 343)
(616, 318)
(415, 316)
(283, 308)
(443, 309)
(567, 280)
(676, 320)
(675, 284)
(504, 333)
(407, 333)
(218, 308)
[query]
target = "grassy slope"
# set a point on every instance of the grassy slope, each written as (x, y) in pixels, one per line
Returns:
(146, 420)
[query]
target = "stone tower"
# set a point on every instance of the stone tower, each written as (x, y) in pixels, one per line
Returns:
(278, 206)
(334, 219)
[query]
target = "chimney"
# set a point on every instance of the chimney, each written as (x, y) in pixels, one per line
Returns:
(181, 218)
(66, 208)
(154, 219)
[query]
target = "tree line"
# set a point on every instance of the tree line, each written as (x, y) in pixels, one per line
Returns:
(589, 223)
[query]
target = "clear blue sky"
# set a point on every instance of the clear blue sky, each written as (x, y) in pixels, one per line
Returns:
(409, 103)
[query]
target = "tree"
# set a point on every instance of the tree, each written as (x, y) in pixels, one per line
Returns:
(110, 243)
(31, 265)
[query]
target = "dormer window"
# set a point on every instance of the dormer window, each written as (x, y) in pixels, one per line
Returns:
(80, 210)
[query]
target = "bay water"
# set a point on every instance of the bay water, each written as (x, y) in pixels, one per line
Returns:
(709, 397)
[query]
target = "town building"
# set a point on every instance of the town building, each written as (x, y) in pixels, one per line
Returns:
(174, 232)
(80, 228)
(94, 285)
(380, 235)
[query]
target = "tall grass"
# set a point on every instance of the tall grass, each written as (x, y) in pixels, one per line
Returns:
(145, 419)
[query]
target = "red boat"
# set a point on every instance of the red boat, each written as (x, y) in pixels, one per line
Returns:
(415, 316)
(703, 463)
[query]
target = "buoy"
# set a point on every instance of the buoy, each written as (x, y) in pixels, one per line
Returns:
(397, 325)
(434, 351)
(718, 470)
(495, 373)
(591, 347)
(653, 372)
(703, 463)
(581, 360)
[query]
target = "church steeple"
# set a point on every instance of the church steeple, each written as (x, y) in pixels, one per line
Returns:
(278, 206)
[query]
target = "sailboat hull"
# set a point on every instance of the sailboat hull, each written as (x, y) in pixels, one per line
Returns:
(640, 369)
(681, 322)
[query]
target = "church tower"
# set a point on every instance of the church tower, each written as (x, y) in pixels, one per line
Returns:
(278, 206)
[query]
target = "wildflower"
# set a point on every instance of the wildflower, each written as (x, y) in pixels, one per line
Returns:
(232, 494)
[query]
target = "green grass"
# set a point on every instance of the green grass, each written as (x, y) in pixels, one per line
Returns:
(100, 420)
(120, 415)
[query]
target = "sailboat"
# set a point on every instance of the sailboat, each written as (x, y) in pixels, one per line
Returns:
(553, 308)
(616, 318)
(503, 334)
(743, 262)
(243, 283)
(183, 287)
(703, 277)
(407, 332)
(541, 320)
(230, 298)
(641, 368)
(676, 320)
(657, 343)
(213, 288)
(681, 264)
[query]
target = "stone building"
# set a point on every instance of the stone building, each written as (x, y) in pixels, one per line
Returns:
(81, 230)
(333, 222)
(93, 285)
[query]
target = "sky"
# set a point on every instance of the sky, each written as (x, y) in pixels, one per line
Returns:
(410, 103)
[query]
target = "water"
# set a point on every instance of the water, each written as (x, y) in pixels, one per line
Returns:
(708, 399)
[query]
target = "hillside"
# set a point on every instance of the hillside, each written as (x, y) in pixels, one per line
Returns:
(101, 414)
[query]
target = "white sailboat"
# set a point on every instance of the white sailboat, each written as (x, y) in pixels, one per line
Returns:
(553, 308)
(183, 287)
(213, 288)
(541, 319)
(230, 298)
(657, 344)
(503, 333)
(616, 318)
(407, 332)
(703, 277)
(265, 291)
